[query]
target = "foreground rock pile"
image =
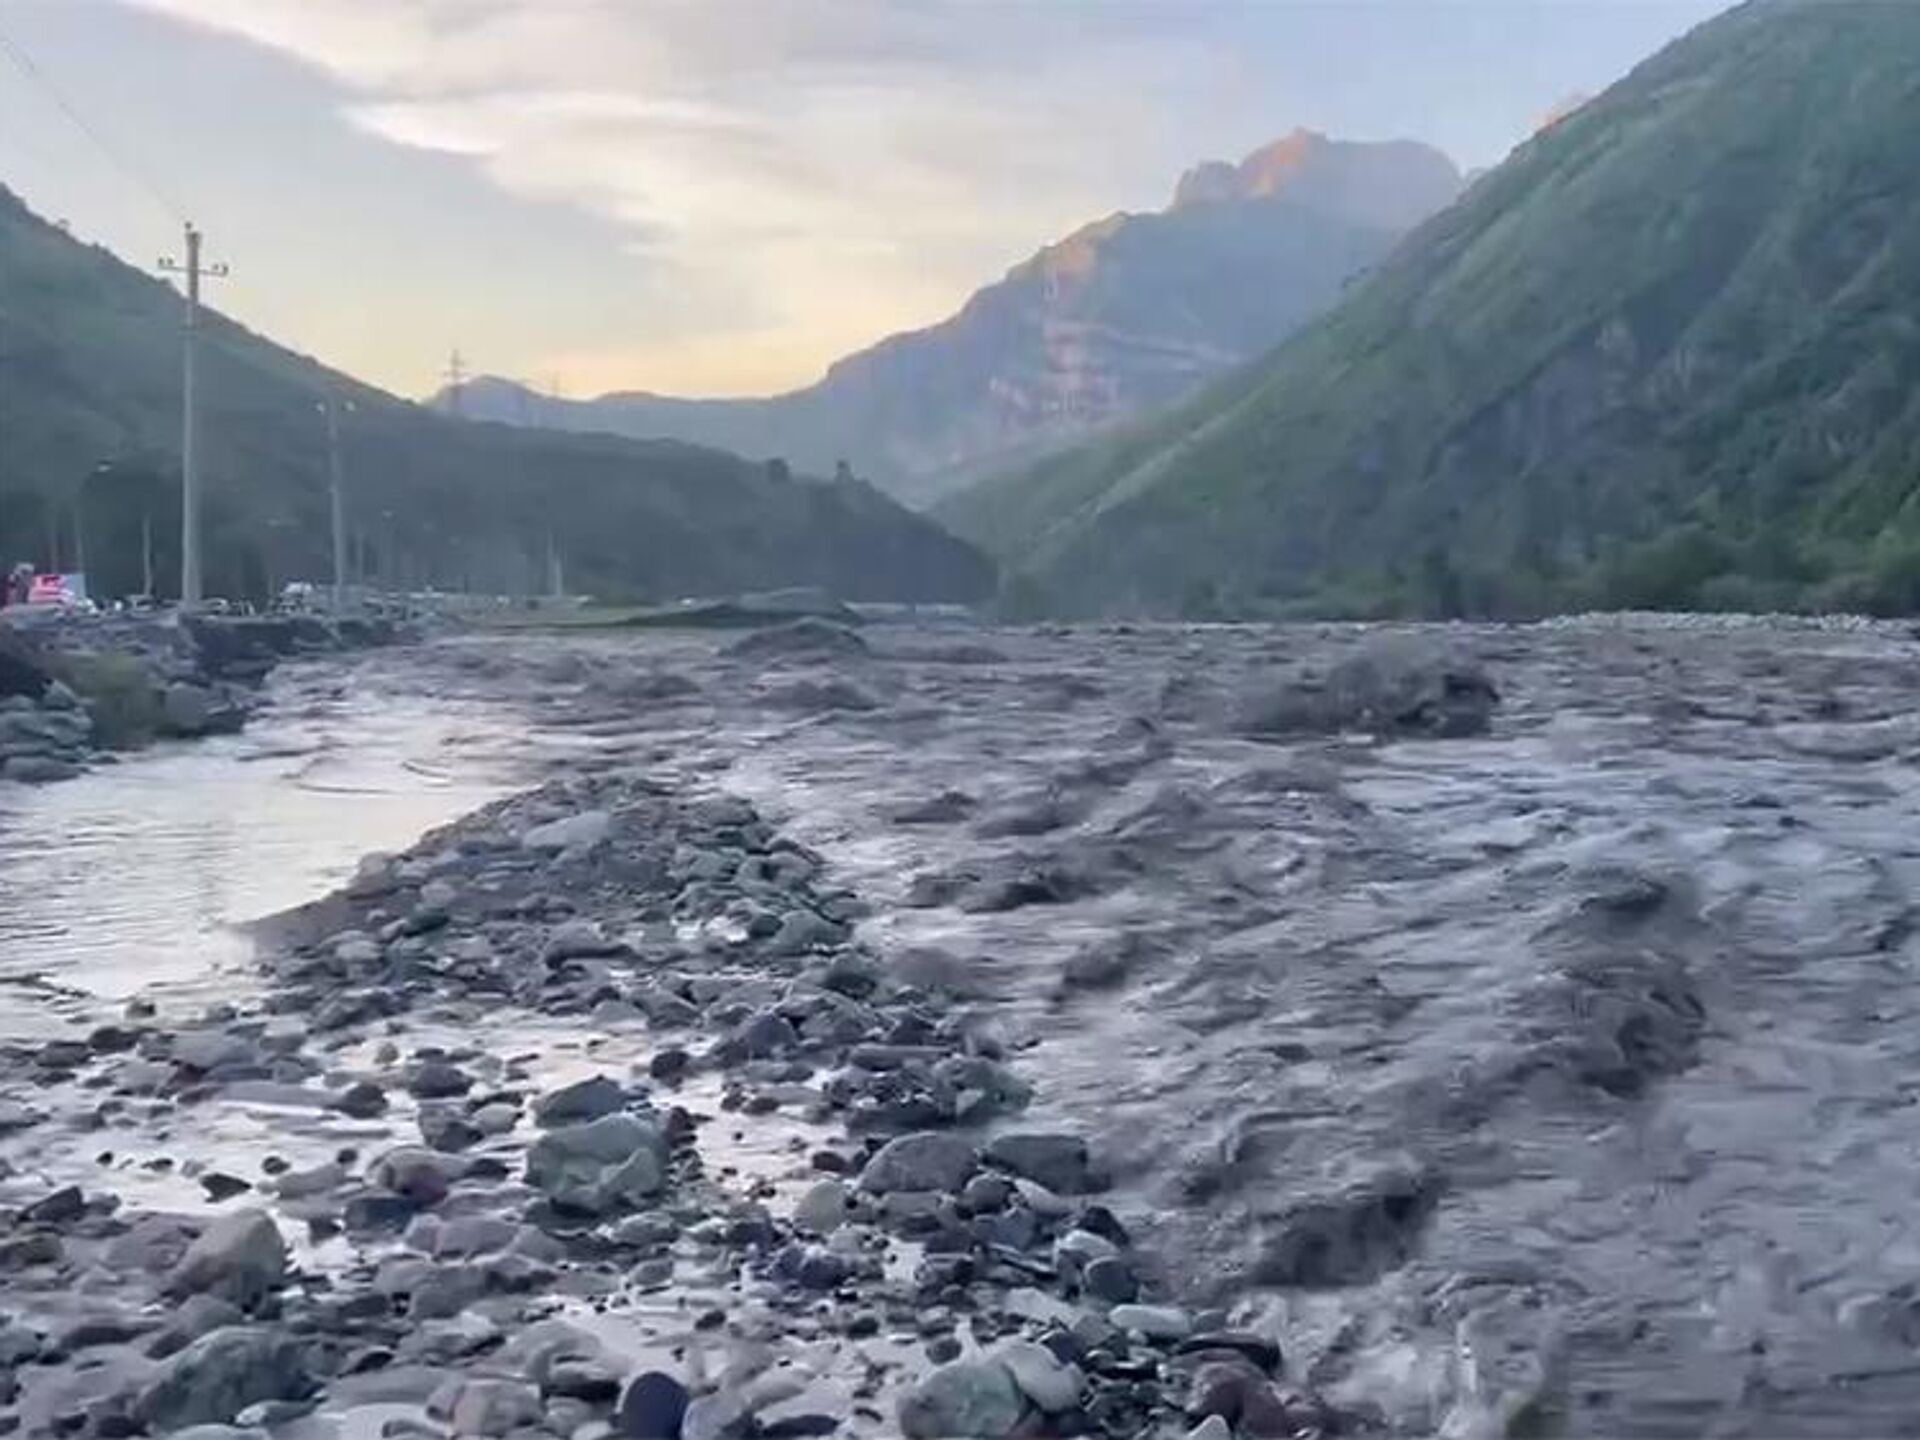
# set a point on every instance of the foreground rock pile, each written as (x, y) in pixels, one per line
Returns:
(46, 734)
(73, 686)
(502, 1252)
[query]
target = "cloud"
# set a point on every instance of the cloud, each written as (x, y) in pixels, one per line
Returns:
(796, 178)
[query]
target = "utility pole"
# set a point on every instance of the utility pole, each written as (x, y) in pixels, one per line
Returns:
(336, 491)
(556, 570)
(146, 552)
(456, 377)
(190, 592)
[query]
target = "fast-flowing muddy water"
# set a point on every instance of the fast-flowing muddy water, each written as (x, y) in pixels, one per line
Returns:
(145, 873)
(1570, 1069)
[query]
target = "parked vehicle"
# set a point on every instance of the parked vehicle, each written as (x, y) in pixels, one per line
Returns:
(63, 592)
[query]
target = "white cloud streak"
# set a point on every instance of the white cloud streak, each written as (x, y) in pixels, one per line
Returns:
(797, 176)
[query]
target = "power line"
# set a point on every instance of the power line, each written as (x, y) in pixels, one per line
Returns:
(143, 179)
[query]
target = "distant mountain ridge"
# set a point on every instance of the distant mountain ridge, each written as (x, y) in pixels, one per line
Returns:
(1666, 355)
(89, 432)
(1125, 314)
(1390, 185)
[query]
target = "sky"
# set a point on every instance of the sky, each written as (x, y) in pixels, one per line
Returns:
(709, 197)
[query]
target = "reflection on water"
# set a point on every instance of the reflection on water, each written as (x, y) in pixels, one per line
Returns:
(139, 873)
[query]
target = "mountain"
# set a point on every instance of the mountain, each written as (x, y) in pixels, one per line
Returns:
(90, 377)
(1127, 313)
(1667, 354)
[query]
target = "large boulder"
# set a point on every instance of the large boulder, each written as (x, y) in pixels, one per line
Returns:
(27, 730)
(221, 1374)
(966, 1400)
(207, 1050)
(494, 1407)
(804, 639)
(245, 647)
(603, 1165)
(1399, 687)
(422, 1176)
(929, 1160)
(23, 668)
(37, 769)
(582, 1101)
(239, 1258)
(1059, 1162)
(1047, 1381)
(574, 832)
(652, 1407)
(187, 709)
(152, 1242)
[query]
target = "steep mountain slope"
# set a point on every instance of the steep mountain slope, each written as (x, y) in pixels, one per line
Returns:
(1666, 354)
(89, 377)
(1127, 313)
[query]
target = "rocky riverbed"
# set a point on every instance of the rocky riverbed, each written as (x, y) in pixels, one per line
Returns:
(1138, 1032)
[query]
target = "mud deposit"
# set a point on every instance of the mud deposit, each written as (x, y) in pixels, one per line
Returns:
(1028, 1033)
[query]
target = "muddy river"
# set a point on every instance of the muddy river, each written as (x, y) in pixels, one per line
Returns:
(1589, 1047)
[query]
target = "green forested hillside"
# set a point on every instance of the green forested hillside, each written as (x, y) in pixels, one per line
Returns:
(1668, 354)
(89, 434)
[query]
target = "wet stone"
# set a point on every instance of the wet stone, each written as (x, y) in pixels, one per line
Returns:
(437, 1080)
(764, 1034)
(19, 1345)
(495, 1118)
(61, 1207)
(1257, 1350)
(112, 1039)
(1082, 1248)
(583, 1100)
(447, 1130)
(494, 1407)
(219, 1375)
(985, 1193)
(652, 1407)
(611, 1162)
(376, 1210)
(670, 1064)
(1059, 1162)
(976, 1398)
(300, 1184)
(63, 1055)
(220, 1186)
(928, 1161)
(193, 1317)
(420, 1176)
(823, 1209)
(211, 1050)
(363, 1100)
(91, 1331)
(469, 1235)
(1098, 1220)
(151, 1242)
(1155, 1322)
(1110, 1280)
(239, 1258)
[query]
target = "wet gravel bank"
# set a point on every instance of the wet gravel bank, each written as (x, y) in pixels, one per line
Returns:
(558, 1259)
